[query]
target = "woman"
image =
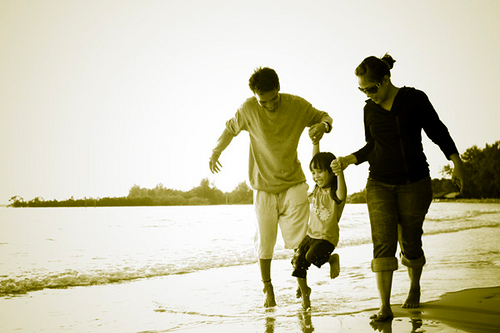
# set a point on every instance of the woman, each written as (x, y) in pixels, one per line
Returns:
(398, 190)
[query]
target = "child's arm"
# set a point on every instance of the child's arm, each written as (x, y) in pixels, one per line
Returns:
(341, 186)
(315, 148)
(341, 192)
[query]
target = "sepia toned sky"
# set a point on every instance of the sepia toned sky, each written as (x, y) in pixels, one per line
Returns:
(99, 95)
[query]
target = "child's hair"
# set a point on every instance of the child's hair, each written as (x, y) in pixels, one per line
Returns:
(322, 161)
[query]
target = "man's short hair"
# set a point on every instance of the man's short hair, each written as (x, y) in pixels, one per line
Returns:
(263, 80)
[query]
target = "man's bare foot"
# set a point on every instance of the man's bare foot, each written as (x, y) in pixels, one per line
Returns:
(334, 262)
(269, 295)
(383, 314)
(413, 299)
(306, 300)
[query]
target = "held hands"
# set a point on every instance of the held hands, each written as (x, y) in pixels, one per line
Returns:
(336, 166)
(316, 132)
(341, 163)
(214, 163)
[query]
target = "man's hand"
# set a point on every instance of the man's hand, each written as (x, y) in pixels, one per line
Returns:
(214, 163)
(316, 132)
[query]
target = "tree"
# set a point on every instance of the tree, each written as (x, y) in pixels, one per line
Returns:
(482, 168)
(205, 191)
(443, 186)
(358, 197)
(17, 201)
(242, 194)
(137, 192)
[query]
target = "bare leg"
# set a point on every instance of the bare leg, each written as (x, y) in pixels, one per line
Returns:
(334, 262)
(305, 292)
(265, 271)
(384, 285)
(413, 299)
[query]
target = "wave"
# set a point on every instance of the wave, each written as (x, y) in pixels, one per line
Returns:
(75, 278)
(458, 227)
(471, 214)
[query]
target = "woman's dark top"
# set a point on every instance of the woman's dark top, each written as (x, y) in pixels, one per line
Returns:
(394, 138)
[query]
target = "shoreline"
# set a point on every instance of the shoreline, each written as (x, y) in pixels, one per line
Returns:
(440, 199)
(485, 200)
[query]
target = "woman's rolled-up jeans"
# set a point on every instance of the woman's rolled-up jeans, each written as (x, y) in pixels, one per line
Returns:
(397, 213)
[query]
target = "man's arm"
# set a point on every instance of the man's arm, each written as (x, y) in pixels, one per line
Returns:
(224, 141)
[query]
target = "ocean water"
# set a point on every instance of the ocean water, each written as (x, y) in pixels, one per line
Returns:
(63, 247)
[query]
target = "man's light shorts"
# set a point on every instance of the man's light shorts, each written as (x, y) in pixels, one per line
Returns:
(288, 209)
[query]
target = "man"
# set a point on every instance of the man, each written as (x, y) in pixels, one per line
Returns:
(275, 123)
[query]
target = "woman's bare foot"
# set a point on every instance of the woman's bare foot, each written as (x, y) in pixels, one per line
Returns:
(306, 300)
(334, 262)
(383, 314)
(269, 295)
(413, 299)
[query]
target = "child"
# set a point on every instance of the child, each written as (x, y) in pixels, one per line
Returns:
(327, 202)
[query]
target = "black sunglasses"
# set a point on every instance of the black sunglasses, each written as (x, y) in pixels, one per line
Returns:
(370, 90)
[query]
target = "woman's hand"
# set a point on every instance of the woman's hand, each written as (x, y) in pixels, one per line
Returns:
(339, 164)
(459, 175)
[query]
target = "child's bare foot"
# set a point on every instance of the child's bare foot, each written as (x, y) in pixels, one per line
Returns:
(413, 299)
(306, 300)
(298, 293)
(269, 295)
(334, 262)
(383, 314)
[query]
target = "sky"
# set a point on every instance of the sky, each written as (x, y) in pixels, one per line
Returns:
(97, 96)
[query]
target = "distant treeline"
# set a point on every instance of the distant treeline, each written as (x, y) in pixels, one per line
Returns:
(483, 170)
(481, 165)
(441, 189)
(205, 194)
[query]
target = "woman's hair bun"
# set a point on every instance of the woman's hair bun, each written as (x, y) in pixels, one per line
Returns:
(389, 61)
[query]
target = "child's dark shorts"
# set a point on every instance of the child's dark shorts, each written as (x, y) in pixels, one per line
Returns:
(310, 251)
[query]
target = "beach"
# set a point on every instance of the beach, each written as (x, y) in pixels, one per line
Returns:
(460, 286)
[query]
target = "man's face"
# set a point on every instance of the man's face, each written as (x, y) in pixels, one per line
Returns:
(269, 100)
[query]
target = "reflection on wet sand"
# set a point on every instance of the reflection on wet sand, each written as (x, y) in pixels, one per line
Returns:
(305, 321)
